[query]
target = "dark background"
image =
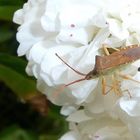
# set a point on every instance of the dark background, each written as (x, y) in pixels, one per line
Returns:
(25, 114)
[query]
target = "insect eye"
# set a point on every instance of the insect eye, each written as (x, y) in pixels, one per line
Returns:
(138, 68)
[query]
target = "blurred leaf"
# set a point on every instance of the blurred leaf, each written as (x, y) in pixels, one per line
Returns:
(17, 82)
(13, 75)
(5, 34)
(48, 137)
(13, 62)
(6, 12)
(16, 133)
(12, 2)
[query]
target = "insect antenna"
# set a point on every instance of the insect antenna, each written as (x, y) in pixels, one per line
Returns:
(57, 92)
(61, 88)
(78, 72)
(76, 81)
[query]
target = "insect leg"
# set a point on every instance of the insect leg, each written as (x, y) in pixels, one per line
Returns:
(126, 90)
(103, 86)
(109, 90)
(105, 46)
(78, 72)
(116, 86)
(127, 77)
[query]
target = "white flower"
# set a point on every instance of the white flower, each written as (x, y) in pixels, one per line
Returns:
(123, 20)
(104, 128)
(56, 33)
(76, 30)
(30, 31)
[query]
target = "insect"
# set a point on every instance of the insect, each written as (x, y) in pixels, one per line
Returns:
(110, 63)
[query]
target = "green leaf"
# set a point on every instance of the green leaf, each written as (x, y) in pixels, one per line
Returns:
(16, 133)
(48, 137)
(12, 2)
(22, 86)
(6, 12)
(5, 34)
(15, 63)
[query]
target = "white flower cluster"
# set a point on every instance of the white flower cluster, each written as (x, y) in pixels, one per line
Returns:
(76, 30)
(92, 128)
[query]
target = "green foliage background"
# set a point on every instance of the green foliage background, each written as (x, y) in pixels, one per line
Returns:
(19, 119)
